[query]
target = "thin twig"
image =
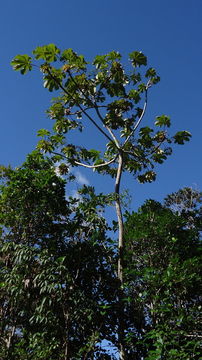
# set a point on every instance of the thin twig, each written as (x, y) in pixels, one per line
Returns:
(156, 147)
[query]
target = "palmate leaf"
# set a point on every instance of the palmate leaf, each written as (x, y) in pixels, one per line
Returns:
(53, 79)
(45, 146)
(47, 53)
(181, 136)
(163, 120)
(113, 55)
(134, 94)
(50, 83)
(159, 156)
(151, 72)
(100, 62)
(149, 176)
(73, 60)
(43, 132)
(138, 58)
(22, 63)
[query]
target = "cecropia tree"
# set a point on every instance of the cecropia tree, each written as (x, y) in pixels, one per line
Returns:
(113, 98)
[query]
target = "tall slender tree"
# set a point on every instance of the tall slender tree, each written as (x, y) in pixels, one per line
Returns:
(113, 99)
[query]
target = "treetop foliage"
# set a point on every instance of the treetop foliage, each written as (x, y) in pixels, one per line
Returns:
(113, 98)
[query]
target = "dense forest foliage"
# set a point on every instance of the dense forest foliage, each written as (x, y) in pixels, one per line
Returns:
(59, 289)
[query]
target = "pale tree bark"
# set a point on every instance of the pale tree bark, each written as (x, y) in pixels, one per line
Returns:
(119, 218)
(121, 322)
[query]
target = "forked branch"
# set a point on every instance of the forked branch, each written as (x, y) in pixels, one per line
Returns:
(80, 107)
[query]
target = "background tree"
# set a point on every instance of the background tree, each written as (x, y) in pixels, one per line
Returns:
(187, 203)
(164, 286)
(56, 280)
(113, 99)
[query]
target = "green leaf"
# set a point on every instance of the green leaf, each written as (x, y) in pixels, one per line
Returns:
(61, 259)
(63, 169)
(151, 72)
(155, 80)
(138, 58)
(47, 53)
(145, 131)
(149, 176)
(113, 55)
(45, 145)
(141, 88)
(159, 156)
(73, 60)
(43, 132)
(94, 154)
(50, 84)
(22, 63)
(134, 94)
(163, 120)
(182, 136)
(53, 80)
(100, 62)
(136, 78)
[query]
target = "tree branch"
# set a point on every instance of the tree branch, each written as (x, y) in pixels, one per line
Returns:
(80, 107)
(109, 130)
(86, 165)
(141, 116)
(96, 166)
(95, 106)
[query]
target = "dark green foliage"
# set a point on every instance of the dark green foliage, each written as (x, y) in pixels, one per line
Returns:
(59, 289)
(56, 279)
(163, 283)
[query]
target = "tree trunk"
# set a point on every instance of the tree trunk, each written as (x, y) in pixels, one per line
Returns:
(120, 218)
(122, 355)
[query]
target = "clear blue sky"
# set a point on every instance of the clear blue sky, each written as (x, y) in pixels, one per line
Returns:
(168, 32)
